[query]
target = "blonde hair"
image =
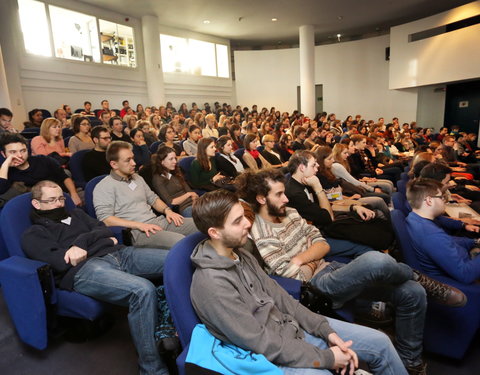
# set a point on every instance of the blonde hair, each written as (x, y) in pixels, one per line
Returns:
(268, 137)
(45, 128)
(337, 155)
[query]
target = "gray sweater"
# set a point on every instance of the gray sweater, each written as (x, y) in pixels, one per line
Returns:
(240, 304)
(340, 172)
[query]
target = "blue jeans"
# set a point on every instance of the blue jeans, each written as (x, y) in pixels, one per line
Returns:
(371, 346)
(346, 248)
(379, 277)
(187, 212)
(120, 278)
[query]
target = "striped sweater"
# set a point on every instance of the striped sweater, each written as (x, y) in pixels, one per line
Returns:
(278, 243)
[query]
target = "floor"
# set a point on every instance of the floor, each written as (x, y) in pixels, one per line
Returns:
(113, 353)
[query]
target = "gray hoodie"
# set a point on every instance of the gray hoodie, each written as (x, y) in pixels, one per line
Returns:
(243, 306)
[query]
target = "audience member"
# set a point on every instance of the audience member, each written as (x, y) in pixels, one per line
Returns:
(252, 157)
(125, 108)
(87, 109)
(167, 137)
(94, 162)
(270, 154)
(117, 132)
(61, 115)
(82, 139)
(124, 199)
(285, 147)
(300, 134)
(210, 129)
(6, 125)
(105, 118)
(86, 257)
(203, 171)
(168, 182)
(191, 143)
(105, 108)
(35, 119)
(140, 149)
(50, 140)
(20, 169)
(227, 163)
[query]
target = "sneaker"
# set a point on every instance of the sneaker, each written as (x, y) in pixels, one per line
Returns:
(420, 369)
(442, 293)
(377, 314)
(362, 372)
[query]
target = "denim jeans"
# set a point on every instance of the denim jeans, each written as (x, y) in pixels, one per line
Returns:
(371, 346)
(346, 248)
(121, 278)
(187, 212)
(379, 277)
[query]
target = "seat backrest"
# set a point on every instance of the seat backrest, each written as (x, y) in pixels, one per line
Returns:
(239, 153)
(66, 133)
(402, 187)
(400, 203)
(154, 146)
(403, 238)
(89, 207)
(75, 166)
(185, 164)
(177, 279)
(15, 219)
(46, 113)
(404, 176)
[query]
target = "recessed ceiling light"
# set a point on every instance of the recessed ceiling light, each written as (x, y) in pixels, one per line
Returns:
(340, 18)
(206, 22)
(339, 35)
(274, 19)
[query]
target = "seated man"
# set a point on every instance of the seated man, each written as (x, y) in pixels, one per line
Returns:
(439, 253)
(85, 257)
(292, 248)
(94, 162)
(123, 198)
(306, 194)
(6, 121)
(241, 305)
(18, 167)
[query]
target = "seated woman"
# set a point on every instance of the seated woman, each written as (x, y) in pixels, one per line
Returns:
(333, 188)
(227, 163)
(148, 133)
(341, 169)
(167, 135)
(168, 181)
(35, 118)
(252, 156)
(81, 140)
(285, 147)
(141, 153)
(191, 143)
(203, 171)
(270, 154)
(50, 141)
(310, 140)
(235, 132)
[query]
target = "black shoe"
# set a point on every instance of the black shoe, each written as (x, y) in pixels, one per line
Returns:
(420, 369)
(377, 314)
(442, 293)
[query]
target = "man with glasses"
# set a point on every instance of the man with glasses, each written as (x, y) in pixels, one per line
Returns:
(94, 162)
(87, 258)
(438, 252)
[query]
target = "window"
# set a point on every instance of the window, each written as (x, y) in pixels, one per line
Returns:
(33, 20)
(117, 44)
(191, 56)
(75, 35)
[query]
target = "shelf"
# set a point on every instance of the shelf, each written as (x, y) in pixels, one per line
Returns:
(106, 37)
(109, 58)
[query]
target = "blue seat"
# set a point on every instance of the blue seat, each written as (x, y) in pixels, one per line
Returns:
(46, 113)
(185, 164)
(30, 133)
(239, 153)
(89, 187)
(154, 146)
(75, 166)
(404, 176)
(402, 187)
(79, 110)
(21, 287)
(177, 279)
(66, 133)
(400, 203)
(448, 331)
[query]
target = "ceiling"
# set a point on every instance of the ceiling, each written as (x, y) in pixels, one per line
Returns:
(248, 23)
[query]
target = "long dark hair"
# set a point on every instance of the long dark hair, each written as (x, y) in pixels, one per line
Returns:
(321, 154)
(158, 168)
(202, 157)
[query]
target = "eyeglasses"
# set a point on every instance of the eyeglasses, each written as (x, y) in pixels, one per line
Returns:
(52, 200)
(105, 138)
(442, 197)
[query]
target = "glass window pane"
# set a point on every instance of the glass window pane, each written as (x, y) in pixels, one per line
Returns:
(222, 61)
(118, 46)
(174, 52)
(203, 58)
(75, 35)
(33, 20)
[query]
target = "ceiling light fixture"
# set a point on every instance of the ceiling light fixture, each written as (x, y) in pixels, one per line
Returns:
(274, 19)
(206, 22)
(339, 36)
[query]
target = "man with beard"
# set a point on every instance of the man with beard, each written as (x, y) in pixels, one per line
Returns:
(94, 162)
(241, 305)
(85, 257)
(20, 169)
(292, 248)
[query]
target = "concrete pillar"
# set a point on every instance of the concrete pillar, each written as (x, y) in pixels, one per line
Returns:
(153, 61)
(307, 70)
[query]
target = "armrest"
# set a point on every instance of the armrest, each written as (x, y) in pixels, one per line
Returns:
(24, 298)
(122, 234)
(292, 286)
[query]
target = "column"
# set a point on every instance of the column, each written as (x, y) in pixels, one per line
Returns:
(307, 70)
(153, 61)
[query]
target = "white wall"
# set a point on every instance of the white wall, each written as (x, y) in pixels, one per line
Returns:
(431, 106)
(448, 57)
(188, 88)
(354, 76)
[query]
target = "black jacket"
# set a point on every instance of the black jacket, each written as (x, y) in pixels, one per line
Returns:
(48, 241)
